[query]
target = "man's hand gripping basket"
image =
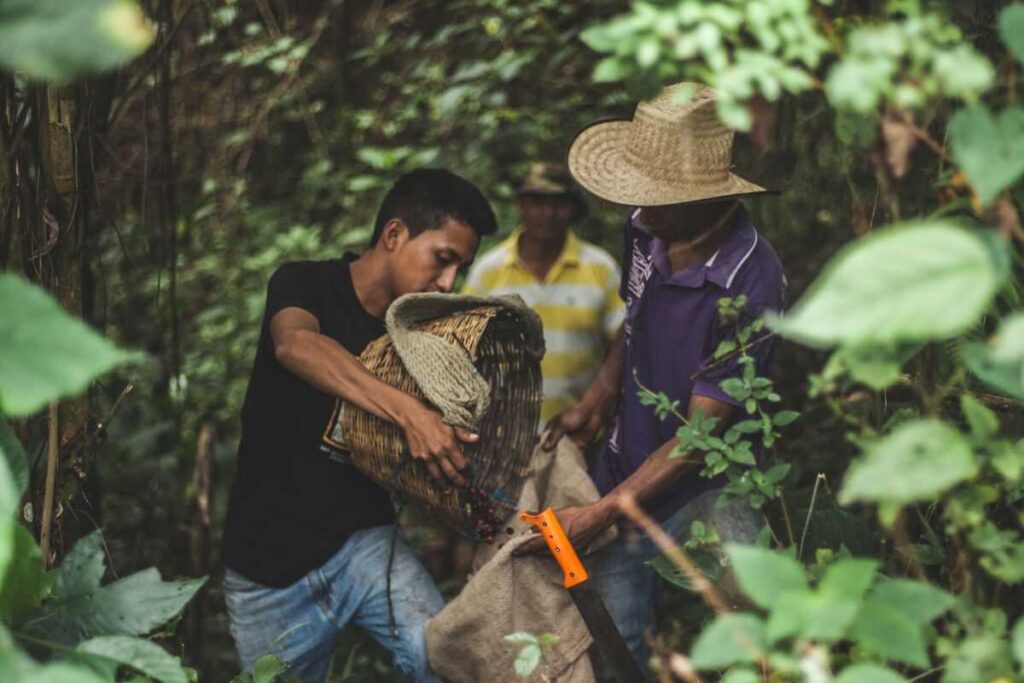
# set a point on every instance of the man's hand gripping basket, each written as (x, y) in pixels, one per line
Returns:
(477, 360)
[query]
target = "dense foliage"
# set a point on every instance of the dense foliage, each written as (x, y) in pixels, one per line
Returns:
(154, 201)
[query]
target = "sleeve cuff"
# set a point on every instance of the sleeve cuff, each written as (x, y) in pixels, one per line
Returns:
(712, 390)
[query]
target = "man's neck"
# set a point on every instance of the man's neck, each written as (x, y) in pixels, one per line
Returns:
(539, 255)
(370, 282)
(687, 250)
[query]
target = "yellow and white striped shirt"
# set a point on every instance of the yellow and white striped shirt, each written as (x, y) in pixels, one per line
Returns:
(578, 303)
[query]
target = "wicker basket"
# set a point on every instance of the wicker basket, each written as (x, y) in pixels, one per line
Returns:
(496, 340)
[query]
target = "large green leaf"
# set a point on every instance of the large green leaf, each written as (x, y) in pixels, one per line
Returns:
(139, 654)
(14, 454)
(989, 149)
(26, 582)
(917, 461)
(920, 602)
(914, 282)
(888, 633)
(765, 576)
(1011, 28)
(18, 667)
(811, 615)
(46, 353)
(730, 639)
(81, 571)
(869, 673)
(8, 503)
(57, 40)
(134, 605)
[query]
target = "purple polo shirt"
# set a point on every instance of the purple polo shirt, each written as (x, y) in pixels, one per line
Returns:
(671, 330)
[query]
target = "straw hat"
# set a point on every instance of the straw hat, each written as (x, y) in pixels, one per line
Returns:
(552, 180)
(673, 151)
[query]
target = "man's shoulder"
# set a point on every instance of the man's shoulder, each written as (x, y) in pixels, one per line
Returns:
(591, 254)
(761, 275)
(492, 259)
(306, 269)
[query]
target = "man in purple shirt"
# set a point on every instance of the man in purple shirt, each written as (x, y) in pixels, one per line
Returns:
(689, 244)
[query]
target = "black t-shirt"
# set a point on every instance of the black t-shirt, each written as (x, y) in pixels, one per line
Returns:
(292, 506)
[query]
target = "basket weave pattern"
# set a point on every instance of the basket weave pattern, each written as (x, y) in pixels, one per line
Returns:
(494, 338)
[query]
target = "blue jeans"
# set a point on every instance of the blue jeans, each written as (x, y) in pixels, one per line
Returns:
(301, 622)
(627, 583)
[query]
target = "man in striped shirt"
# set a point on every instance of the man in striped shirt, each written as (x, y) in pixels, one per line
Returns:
(570, 283)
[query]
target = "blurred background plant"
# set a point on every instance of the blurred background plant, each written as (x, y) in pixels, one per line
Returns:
(154, 200)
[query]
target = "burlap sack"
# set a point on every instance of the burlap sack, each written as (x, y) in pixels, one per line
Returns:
(466, 641)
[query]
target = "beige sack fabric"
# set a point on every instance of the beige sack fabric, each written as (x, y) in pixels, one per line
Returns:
(466, 641)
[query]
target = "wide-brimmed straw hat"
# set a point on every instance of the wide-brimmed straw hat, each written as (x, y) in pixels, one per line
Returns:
(674, 151)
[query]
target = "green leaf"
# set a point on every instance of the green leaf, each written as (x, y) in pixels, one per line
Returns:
(920, 602)
(917, 461)
(610, 69)
(521, 638)
(14, 454)
(876, 366)
(848, 579)
(989, 149)
(916, 282)
(18, 667)
(765, 576)
(46, 352)
(26, 582)
(1005, 376)
(134, 606)
(82, 569)
(982, 420)
(1011, 29)
(886, 632)
(784, 417)
(141, 655)
(267, 668)
(1017, 641)
(741, 676)
(869, 673)
(735, 638)
(527, 661)
(979, 658)
(56, 40)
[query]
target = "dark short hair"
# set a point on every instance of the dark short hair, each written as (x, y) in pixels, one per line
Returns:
(428, 197)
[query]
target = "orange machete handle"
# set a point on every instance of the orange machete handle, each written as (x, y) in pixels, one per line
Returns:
(559, 545)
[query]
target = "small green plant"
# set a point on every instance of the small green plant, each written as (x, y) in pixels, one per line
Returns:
(532, 653)
(733, 453)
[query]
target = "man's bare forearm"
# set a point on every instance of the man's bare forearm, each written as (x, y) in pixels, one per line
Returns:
(328, 366)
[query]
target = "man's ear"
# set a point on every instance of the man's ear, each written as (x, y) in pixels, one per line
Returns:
(394, 234)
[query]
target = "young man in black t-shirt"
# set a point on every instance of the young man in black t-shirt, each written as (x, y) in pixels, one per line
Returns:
(308, 538)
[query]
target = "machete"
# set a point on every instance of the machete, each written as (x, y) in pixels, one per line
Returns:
(609, 641)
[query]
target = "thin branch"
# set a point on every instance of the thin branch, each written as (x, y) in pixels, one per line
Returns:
(51, 481)
(671, 549)
(732, 354)
(810, 511)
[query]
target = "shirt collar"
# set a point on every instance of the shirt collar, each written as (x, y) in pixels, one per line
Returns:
(570, 255)
(721, 269)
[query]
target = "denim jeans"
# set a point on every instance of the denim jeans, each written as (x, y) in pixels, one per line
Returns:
(627, 583)
(301, 622)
